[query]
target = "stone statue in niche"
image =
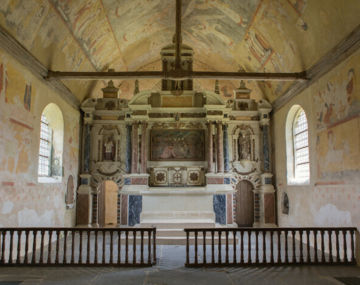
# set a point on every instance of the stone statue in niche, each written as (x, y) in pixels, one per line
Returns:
(109, 149)
(244, 147)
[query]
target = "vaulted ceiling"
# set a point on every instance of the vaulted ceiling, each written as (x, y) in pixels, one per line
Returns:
(226, 35)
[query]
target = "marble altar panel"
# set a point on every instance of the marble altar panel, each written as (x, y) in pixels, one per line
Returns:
(220, 209)
(135, 208)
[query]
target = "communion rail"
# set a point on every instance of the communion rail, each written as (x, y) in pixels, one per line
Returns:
(78, 246)
(269, 246)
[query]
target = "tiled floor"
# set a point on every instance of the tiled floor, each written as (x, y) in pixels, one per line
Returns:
(170, 270)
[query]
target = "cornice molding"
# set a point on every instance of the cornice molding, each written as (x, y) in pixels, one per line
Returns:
(330, 60)
(24, 57)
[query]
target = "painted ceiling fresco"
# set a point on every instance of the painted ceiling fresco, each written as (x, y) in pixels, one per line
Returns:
(226, 35)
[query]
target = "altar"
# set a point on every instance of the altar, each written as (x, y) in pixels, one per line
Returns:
(179, 157)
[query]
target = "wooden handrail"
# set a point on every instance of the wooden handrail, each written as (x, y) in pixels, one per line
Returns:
(77, 246)
(270, 246)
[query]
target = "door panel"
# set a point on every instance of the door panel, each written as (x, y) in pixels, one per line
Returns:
(244, 204)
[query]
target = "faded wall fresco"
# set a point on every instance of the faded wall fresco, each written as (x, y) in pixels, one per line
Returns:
(332, 198)
(337, 111)
(24, 201)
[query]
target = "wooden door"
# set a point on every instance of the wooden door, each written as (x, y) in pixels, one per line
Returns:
(244, 204)
(107, 204)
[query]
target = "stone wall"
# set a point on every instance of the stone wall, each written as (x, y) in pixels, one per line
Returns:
(332, 106)
(24, 201)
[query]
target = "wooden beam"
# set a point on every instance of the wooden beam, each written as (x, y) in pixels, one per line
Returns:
(330, 60)
(24, 57)
(178, 75)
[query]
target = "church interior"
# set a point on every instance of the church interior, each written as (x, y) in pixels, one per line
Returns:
(110, 117)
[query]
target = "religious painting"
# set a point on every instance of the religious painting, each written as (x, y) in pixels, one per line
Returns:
(338, 99)
(173, 145)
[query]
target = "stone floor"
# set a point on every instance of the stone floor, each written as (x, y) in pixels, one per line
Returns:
(170, 270)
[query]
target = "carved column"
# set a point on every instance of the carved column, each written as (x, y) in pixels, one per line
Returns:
(84, 192)
(128, 149)
(220, 148)
(210, 157)
(87, 148)
(267, 191)
(143, 148)
(226, 149)
(135, 148)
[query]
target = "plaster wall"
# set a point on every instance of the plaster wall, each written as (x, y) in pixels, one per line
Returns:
(332, 107)
(24, 201)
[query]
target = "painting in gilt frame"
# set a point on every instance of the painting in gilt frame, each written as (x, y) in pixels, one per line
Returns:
(175, 145)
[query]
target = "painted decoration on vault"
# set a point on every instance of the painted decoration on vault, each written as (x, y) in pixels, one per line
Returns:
(172, 145)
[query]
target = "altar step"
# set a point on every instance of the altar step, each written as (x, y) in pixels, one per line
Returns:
(172, 232)
(178, 224)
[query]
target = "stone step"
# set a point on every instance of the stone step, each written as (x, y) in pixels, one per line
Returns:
(179, 240)
(178, 224)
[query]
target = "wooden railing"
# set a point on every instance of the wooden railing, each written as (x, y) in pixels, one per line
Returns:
(272, 246)
(78, 246)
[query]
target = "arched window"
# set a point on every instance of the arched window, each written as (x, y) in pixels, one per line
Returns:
(51, 144)
(297, 146)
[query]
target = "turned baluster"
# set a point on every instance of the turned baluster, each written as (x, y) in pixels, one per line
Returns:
(352, 246)
(286, 247)
(103, 246)
(249, 246)
(154, 245)
(149, 248)
(241, 247)
(11, 246)
(3, 244)
(345, 247)
(301, 247)
(227, 247)
(96, 261)
(204, 247)
(49, 246)
(219, 251)
(256, 247)
(19, 233)
(111, 259)
(57, 246)
(196, 247)
(337, 246)
(272, 247)
(330, 246)
(65, 247)
(134, 247)
(308, 257)
(212, 247)
(279, 260)
(119, 246)
(234, 247)
(322, 233)
(126, 247)
(293, 260)
(72, 246)
(264, 246)
(88, 232)
(80, 261)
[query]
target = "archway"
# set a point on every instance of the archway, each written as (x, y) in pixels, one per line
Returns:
(244, 197)
(108, 197)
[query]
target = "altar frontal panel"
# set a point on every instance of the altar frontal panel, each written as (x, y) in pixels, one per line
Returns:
(174, 145)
